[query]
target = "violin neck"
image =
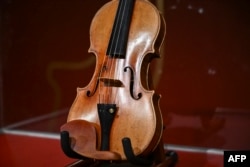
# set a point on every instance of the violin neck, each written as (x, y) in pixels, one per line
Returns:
(119, 36)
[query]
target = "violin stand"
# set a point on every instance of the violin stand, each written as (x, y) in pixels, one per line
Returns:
(158, 158)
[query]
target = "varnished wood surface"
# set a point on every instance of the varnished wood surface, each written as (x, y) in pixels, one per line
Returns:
(137, 118)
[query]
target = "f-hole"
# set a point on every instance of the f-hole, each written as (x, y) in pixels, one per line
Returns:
(131, 88)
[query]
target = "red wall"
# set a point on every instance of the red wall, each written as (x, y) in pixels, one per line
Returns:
(204, 81)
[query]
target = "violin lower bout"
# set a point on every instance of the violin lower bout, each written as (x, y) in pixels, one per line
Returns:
(140, 120)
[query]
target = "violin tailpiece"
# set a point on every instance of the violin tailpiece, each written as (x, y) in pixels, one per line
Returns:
(106, 113)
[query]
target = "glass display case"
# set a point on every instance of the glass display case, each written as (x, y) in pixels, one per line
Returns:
(203, 74)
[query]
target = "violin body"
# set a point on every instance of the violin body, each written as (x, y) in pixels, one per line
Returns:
(123, 82)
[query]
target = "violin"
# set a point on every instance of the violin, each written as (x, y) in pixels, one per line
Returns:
(119, 102)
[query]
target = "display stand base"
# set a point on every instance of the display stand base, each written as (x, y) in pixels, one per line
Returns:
(170, 161)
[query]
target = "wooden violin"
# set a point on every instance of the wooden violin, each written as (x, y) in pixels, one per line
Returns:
(119, 102)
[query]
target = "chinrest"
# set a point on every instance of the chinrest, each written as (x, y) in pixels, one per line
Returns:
(83, 139)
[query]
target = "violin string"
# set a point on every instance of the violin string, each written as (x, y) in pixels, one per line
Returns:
(118, 27)
(119, 57)
(111, 59)
(99, 81)
(103, 98)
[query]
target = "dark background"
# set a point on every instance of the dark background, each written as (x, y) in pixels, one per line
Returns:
(204, 75)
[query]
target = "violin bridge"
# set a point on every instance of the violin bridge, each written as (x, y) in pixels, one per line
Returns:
(111, 82)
